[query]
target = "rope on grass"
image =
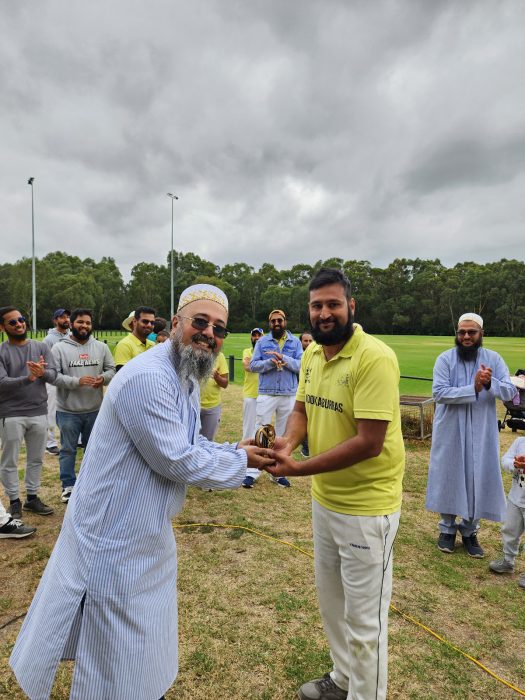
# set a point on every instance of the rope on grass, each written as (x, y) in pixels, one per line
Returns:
(406, 617)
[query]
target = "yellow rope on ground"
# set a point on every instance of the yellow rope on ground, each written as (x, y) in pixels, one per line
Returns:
(408, 618)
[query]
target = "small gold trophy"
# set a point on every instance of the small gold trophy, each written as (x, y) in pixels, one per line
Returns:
(265, 436)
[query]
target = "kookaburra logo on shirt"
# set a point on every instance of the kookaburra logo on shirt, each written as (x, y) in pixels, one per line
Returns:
(84, 361)
(344, 380)
(323, 402)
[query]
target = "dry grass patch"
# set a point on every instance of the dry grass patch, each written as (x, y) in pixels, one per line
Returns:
(249, 621)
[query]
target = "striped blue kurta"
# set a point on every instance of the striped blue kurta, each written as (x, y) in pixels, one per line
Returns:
(464, 477)
(108, 595)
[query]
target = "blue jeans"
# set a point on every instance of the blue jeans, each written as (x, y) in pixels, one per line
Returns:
(448, 525)
(72, 425)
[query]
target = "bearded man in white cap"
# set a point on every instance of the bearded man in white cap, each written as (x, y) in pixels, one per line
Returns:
(108, 597)
(464, 478)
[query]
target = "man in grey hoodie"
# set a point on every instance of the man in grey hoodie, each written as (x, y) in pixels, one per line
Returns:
(84, 365)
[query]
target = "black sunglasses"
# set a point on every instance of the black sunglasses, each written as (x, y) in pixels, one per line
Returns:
(14, 321)
(469, 332)
(201, 324)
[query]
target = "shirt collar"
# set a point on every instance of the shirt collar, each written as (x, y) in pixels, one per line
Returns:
(349, 347)
(136, 341)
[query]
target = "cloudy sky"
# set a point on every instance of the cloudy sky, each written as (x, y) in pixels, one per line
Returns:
(291, 130)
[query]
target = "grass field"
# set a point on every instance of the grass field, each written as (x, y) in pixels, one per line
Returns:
(416, 355)
(249, 621)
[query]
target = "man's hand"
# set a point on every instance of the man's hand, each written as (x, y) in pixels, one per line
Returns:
(483, 378)
(36, 369)
(258, 456)
(519, 462)
(99, 381)
(87, 380)
(282, 446)
(285, 464)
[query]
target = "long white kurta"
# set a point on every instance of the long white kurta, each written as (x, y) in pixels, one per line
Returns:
(108, 595)
(464, 476)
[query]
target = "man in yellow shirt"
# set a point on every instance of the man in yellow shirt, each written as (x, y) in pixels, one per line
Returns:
(211, 398)
(348, 402)
(250, 389)
(140, 322)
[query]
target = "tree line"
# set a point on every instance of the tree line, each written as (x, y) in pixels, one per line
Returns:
(419, 297)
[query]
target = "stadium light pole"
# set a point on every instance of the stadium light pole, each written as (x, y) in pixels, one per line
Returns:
(33, 267)
(172, 304)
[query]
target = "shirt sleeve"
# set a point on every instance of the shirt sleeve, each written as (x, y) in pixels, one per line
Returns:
(258, 363)
(293, 361)
(122, 353)
(108, 365)
(443, 391)
(148, 408)
(376, 391)
(500, 386)
(299, 396)
(517, 447)
(7, 383)
(50, 372)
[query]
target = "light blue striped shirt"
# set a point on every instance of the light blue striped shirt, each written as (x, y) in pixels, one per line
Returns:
(108, 595)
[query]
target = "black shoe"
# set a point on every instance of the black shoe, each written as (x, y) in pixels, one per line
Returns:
(321, 689)
(446, 542)
(473, 547)
(16, 529)
(35, 505)
(52, 450)
(15, 509)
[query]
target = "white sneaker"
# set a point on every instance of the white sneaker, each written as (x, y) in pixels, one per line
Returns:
(66, 494)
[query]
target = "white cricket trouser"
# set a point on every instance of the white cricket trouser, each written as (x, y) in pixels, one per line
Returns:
(266, 406)
(51, 415)
(353, 575)
(249, 409)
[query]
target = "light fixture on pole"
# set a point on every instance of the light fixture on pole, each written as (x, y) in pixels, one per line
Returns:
(172, 304)
(33, 267)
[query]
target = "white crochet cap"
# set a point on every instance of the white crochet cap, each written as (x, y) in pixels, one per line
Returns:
(202, 291)
(471, 317)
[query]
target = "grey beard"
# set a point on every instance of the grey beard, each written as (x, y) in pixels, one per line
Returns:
(190, 363)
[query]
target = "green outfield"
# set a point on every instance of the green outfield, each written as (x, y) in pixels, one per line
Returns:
(416, 354)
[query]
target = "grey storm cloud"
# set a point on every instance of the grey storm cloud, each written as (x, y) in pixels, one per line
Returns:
(291, 131)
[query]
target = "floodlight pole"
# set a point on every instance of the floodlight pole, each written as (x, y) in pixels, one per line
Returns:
(172, 301)
(33, 266)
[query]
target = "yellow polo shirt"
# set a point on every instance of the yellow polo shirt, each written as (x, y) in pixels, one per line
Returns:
(250, 388)
(360, 382)
(211, 391)
(129, 347)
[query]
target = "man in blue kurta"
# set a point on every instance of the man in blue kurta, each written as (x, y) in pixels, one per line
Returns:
(108, 596)
(464, 478)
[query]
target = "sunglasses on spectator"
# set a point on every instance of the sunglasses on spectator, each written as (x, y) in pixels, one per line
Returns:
(14, 321)
(469, 332)
(146, 323)
(200, 324)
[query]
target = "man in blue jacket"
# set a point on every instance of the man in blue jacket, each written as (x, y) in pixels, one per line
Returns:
(277, 358)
